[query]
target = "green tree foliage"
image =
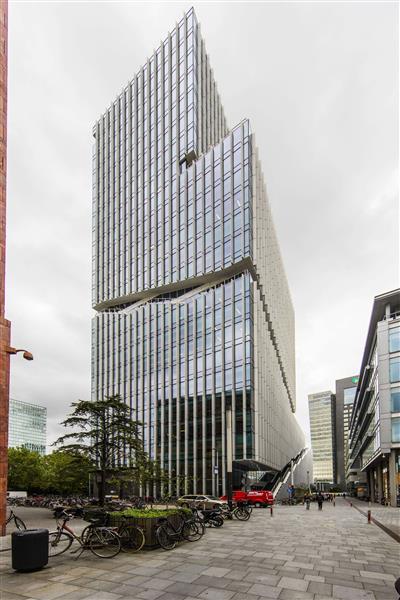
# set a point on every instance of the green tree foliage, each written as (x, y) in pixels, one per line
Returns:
(25, 470)
(57, 473)
(105, 432)
(67, 474)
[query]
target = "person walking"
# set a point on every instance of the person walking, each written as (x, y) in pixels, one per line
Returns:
(320, 499)
(307, 500)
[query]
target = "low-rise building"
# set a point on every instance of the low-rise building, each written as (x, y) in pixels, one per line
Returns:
(374, 436)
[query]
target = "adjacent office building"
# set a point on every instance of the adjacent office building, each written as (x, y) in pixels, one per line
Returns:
(344, 400)
(374, 435)
(193, 310)
(322, 413)
(27, 426)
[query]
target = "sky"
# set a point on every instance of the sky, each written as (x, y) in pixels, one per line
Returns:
(319, 83)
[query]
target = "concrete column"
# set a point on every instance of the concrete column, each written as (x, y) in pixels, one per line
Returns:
(392, 478)
(370, 482)
(379, 481)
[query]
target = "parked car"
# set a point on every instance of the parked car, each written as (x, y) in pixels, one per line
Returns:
(255, 497)
(200, 501)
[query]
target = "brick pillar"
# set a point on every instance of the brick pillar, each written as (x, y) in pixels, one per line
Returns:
(4, 324)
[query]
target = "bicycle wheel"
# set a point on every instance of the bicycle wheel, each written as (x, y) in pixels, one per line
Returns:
(104, 543)
(217, 521)
(19, 524)
(192, 531)
(59, 542)
(241, 514)
(85, 535)
(164, 538)
(132, 538)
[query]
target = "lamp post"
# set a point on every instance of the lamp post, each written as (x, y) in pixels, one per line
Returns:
(229, 458)
(4, 403)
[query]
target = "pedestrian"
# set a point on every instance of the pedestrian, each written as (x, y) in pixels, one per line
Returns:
(320, 499)
(307, 501)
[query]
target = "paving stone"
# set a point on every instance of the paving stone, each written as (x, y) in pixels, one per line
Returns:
(316, 587)
(300, 585)
(149, 594)
(52, 591)
(293, 595)
(216, 594)
(350, 593)
(216, 572)
(208, 581)
(373, 575)
(185, 589)
(265, 591)
(104, 596)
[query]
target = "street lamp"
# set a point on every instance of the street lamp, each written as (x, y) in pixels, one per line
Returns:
(4, 405)
(27, 355)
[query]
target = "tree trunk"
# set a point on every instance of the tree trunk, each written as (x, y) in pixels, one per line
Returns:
(102, 487)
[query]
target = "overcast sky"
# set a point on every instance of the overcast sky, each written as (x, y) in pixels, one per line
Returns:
(319, 82)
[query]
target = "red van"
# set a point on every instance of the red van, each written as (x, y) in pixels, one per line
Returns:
(256, 497)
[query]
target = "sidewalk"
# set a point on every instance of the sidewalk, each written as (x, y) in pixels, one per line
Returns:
(389, 516)
(294, 555)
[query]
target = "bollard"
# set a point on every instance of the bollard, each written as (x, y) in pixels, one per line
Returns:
(369, 516)
(272, 511)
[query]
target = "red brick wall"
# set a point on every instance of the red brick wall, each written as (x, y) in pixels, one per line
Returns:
(4, 324)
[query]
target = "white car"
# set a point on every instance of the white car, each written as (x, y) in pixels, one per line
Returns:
(200, 501)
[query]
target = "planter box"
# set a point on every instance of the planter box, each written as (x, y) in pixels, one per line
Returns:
(149, 526)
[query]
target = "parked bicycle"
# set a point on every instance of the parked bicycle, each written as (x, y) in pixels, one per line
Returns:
(212, 518)
(188, 529)
(241, 511)
(18, 522)
(131, 536)
(101, 541)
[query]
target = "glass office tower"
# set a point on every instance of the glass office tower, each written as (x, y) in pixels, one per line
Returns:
(193, 311)
(27, 426)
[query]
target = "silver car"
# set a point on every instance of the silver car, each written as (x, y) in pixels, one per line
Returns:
(200, 501)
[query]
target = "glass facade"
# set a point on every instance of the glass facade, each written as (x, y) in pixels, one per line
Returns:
(178, 268)
(396, 429)
(394, 369)
(322, 424)
(27, 426)
(395, 399)
(394, 339)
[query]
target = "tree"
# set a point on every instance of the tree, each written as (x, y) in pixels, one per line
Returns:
(67, 473)
(106, 434)
(25, 470)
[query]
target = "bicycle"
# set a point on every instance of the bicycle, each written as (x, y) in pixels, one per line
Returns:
(18, 522)
(212, 518)
(242, 512)
(167, 535)
(101, 541)
(131, 536)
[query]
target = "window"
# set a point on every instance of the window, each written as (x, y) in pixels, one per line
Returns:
(394, 339)
(396, 429)
(349, 394)
(395, 399)
(394, 369)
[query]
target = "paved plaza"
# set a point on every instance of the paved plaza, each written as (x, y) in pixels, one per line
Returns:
(296, 554)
